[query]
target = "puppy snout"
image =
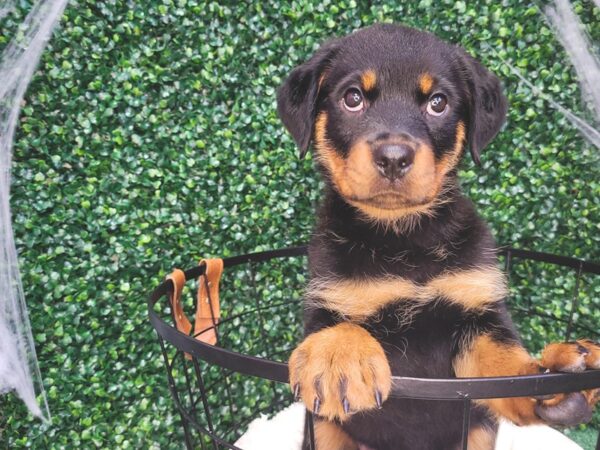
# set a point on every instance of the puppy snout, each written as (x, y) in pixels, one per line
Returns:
(394, 160)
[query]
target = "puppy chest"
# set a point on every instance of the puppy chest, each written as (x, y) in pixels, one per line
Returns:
(419, 343)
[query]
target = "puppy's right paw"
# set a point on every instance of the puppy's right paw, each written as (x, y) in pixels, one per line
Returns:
(571, 356)
(340, 370)
(576, 407)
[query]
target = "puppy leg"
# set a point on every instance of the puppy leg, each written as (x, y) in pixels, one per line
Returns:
(340, 370)
(490, 357)
(329, 436)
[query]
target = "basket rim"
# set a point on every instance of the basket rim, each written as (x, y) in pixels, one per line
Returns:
(402, 387)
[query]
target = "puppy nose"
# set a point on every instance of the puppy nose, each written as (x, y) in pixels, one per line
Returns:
(394, 160)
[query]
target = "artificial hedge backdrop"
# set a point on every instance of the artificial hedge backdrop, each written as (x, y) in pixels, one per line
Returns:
(149, 138)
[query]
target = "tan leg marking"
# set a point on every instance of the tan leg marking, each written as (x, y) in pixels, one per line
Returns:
(489, 358)
(329, 436)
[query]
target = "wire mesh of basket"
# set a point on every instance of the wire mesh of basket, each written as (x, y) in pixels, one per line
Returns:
(219, 389)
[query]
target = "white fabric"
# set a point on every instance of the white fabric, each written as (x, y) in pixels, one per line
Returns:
(533, 437)
(285, 432)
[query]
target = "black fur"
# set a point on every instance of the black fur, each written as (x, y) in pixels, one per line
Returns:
(297, 98)
(487, 104)
(347, 246)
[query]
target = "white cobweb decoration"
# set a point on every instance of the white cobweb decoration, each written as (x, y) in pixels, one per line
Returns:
(19, 371)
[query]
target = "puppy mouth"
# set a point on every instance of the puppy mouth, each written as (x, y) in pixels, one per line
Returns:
(390, 200)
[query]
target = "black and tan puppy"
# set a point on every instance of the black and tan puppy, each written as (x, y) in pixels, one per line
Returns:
(404, 278)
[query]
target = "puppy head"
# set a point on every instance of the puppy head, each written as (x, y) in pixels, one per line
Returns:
(389, 110)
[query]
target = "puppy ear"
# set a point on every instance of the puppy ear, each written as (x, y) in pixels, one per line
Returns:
(488, 105)
(297, 97)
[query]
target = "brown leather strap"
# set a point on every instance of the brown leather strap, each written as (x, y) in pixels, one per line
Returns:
(181, 321)
(208, 309)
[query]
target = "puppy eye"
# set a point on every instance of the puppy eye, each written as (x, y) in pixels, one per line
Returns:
(437, 104)
(353, 100)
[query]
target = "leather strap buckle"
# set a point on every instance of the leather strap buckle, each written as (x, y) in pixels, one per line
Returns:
(208, 308)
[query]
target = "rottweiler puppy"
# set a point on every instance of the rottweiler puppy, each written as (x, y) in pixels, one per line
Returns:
(404, 279)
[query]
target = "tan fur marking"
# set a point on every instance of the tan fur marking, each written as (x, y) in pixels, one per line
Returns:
(356, 299)
(341, 356)
(357, 179)
(420, 180)
(329, 436)
(425, 83)
(486, 357)
(326, 154)
(391, 216)
(424, 182)
(592, 359)
(416, 197)
(489, 358)
(360, 170)
(368, 80)
(472, 289)
(568, 357)
(359, 299)
(450, 160)
(563, 357)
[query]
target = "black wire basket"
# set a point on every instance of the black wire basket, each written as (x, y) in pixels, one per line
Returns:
(219, 389)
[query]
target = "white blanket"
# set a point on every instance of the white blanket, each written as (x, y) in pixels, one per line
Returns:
(285, 432)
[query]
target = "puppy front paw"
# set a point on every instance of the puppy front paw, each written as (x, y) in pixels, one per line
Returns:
(339, 371)
(571, 356)
(576, 407)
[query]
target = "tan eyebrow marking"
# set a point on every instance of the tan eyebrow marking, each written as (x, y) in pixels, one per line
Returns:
(425, 83)
(368, 80)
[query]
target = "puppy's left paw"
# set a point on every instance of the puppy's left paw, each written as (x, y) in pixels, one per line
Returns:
(592, 359)
(571, 356)
(576, 407)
